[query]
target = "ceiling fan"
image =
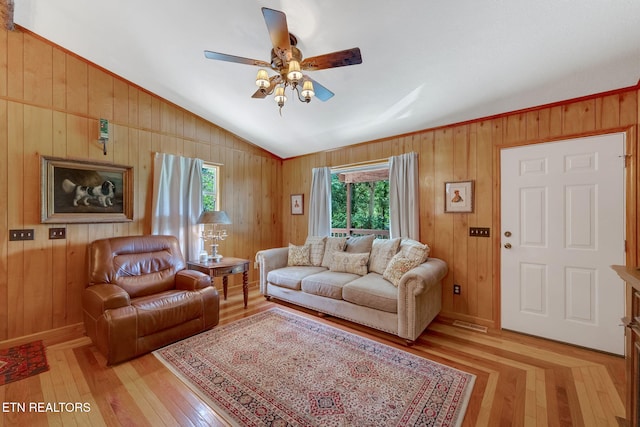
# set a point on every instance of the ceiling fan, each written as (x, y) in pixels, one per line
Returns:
(287, 62)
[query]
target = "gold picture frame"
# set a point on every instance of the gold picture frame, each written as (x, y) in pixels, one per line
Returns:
(458, 197)
(82, 191)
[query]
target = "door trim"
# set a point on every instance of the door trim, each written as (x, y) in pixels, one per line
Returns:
(631, 201)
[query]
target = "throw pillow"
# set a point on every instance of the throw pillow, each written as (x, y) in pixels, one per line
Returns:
(413, 249)
(399, 265)
(333, 244)
(316, 248)
(360, 244)
(381, 253)
(344, 262)
(298, 255)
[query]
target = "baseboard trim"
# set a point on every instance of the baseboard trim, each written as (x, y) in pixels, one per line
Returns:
(50, 337)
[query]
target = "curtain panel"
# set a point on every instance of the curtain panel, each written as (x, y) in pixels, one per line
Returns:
(404, 205)
(320, 202)
(177, 200)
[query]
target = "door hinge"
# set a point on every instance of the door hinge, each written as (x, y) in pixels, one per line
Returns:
(625, 245)
(626, 158)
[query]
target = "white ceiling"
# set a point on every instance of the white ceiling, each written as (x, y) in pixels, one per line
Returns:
(425, 62)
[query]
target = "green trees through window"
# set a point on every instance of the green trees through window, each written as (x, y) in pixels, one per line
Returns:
(360, 200)
(210, 184)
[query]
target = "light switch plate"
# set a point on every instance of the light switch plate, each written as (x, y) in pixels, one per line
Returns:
(479, 232)
(17, 235)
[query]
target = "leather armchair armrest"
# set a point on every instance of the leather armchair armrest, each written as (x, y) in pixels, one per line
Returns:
(96, 299)
(191, 280)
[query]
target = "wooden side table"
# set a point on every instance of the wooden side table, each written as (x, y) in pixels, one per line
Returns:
(225, 267)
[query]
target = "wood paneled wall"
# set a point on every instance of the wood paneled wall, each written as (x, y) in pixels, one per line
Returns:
(471, 151)
(50, 103)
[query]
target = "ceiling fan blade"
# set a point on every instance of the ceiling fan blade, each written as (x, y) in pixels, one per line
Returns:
(233, 58)
(321, 92)
(263, 93)
(332, 60)
(277, 25)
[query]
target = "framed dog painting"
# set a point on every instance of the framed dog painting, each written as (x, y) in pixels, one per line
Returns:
(75, 191)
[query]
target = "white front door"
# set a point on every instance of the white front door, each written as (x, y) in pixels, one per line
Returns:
(562, 219)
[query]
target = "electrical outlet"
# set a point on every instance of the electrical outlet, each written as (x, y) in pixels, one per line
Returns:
(57, 233)
(479, 232)
(16, 235)
(456, 289)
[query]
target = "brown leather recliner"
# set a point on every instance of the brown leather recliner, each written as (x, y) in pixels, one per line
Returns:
(140, 296)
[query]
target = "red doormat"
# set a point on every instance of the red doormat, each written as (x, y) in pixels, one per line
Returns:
(22, 361)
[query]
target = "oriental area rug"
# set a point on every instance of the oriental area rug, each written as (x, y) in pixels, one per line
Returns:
(277, 368)
(22, 361)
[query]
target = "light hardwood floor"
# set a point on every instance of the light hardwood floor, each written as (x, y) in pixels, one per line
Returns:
(521, 380)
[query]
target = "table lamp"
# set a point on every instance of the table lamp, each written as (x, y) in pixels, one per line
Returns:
(215, 218)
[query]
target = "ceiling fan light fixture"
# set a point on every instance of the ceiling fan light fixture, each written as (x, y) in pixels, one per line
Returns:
(262, 79)
(286, 61)
(307, 90)
(279, 97)
(294, 75)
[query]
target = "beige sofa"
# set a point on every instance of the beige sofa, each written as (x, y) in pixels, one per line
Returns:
(390, 285)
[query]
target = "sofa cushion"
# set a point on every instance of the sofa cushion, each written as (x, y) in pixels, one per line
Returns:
(327, 283)
(413, 249)
(165, 310)
(333, 244)
(290, 277)
(381, 253)
(399, 265)
(360, 244)
(350, 263)
(298, 255)
(316, 248)
(372, 291)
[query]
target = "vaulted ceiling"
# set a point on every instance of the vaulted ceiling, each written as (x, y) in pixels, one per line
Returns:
(426, 63)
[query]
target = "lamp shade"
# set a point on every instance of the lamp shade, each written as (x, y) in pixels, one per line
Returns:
(214, 217)
(307, 89)
(262, 79)
(294, 74)
(279, 97)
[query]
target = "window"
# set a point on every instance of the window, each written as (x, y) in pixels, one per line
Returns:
(360, 201)
(210, 187)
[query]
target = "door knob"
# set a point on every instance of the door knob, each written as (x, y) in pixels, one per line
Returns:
(507, 245)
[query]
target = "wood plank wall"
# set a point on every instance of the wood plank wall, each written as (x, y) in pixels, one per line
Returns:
(50, 103)
(471, 151)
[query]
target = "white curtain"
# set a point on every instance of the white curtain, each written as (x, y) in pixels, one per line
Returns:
(177, 200)
(320, 202)
(404, 206)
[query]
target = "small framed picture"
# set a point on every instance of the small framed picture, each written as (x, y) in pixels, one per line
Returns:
(458, 196)
(297, 204)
